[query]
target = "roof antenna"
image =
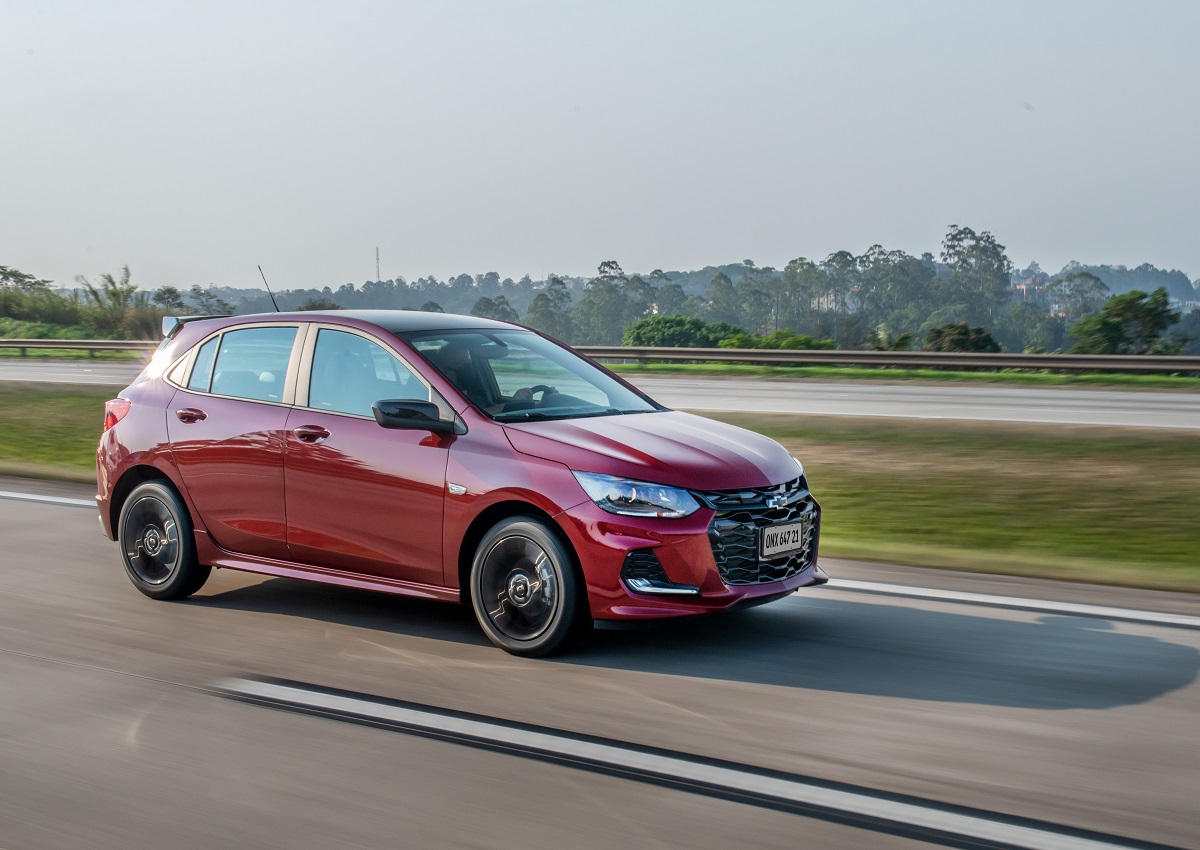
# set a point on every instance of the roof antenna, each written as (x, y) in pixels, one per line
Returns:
(269, 292)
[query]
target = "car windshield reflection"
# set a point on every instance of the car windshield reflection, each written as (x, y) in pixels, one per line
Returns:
(519, 376)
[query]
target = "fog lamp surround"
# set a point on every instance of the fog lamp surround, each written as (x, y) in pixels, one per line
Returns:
(628, 497)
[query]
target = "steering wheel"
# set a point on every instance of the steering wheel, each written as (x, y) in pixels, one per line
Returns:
(543, 389)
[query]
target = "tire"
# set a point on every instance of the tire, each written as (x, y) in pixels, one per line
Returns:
(527, 594)
(157, 543)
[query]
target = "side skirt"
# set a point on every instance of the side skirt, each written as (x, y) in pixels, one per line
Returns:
(210, 553)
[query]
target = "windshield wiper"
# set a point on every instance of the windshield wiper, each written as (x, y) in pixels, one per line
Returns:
(543, 415)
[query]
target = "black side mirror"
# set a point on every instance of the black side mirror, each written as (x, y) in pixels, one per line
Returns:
(412, 416)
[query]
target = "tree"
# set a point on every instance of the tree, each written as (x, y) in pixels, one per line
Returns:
(496, 308)
(802, 288)
(599, 317)
(979, 273)
(1028, 327)
(1131, 323)
(208, 302)
(677, 332)
(841, 278)
(169, 298)
(881, 338)
(320, 302)
(610, 270)
(22, 281)
(432, 307)
(669, 299)
(1077, 295)
(960, 337)
(118, 306)
(550, 311)
(638, 297)
(1187, 334)
(723, 302)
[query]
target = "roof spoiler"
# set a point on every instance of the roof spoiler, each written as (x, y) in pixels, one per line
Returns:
(172, 324)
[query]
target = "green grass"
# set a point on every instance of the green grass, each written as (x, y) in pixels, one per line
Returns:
(1088, 504)
(1006, 376)
(51, 431)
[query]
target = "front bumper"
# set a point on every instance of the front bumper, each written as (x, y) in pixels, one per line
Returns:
(684, 549)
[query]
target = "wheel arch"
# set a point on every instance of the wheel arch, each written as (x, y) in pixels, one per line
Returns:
(130, 479)
(488, 518)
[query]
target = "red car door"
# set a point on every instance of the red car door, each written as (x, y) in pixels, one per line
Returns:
(362, 498)
(226, 430)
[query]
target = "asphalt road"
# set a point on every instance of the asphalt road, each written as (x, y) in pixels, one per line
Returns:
(979, 402)
(111, 734)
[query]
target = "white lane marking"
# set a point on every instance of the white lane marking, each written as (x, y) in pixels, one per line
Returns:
(670, 767)
(1047, 605)
(50, 500)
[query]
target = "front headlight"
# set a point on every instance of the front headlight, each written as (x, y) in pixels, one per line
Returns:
(636, 498)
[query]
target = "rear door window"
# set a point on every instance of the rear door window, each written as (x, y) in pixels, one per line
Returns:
(253, 363)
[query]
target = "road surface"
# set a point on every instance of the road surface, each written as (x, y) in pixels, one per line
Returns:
(978, 402)
(114, 733)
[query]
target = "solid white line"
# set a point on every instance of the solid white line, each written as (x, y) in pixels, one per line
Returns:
(792, 790)
(1047, 605)
(50, 500)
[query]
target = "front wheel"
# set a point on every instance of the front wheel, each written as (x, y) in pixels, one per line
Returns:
(157, 544)
(526, 593)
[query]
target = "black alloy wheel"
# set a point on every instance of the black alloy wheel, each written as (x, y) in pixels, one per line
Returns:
(157, 543)
(525, 589)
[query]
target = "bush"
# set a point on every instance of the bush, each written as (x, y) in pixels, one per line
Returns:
(959, 336)
(787, 340)
(677, 332)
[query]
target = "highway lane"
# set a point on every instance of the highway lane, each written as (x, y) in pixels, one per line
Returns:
(978, 402)
(109, 738)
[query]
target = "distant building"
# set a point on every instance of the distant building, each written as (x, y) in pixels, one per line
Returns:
(1031, 287)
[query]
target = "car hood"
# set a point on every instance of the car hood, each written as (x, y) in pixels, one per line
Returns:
(666, 447)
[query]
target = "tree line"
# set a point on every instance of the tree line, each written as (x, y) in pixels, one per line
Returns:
(883, 299)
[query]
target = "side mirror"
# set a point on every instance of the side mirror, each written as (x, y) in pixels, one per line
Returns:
(408, 415)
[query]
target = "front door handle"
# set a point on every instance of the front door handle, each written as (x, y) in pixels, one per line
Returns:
(311, 433)
(191, 414)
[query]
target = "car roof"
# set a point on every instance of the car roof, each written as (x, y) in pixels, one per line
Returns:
(396, 321)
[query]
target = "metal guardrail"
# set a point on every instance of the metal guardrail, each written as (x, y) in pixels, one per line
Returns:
(910, 359)
(91, 346)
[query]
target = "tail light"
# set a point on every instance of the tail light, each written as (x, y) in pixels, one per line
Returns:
(114, 411)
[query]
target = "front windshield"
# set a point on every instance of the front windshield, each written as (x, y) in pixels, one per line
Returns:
(518, 376)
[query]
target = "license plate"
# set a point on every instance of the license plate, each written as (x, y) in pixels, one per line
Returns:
(774, 541)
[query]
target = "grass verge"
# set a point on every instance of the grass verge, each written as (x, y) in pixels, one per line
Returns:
(50, 430)
(1086, 504)
(861, 373)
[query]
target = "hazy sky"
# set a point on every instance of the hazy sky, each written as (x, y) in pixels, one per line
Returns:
(192, 141)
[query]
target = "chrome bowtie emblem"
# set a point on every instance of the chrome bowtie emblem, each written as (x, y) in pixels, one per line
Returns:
(776, 502)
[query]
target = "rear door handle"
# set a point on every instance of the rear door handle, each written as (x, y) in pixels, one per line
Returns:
(191, 414)
(311, 433)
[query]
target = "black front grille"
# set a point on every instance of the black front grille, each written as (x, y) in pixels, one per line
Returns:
(734, 529)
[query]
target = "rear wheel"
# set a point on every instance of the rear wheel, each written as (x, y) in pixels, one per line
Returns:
(157, 543)
(525, 590)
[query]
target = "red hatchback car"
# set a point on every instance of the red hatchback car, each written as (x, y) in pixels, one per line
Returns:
(444, 457)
